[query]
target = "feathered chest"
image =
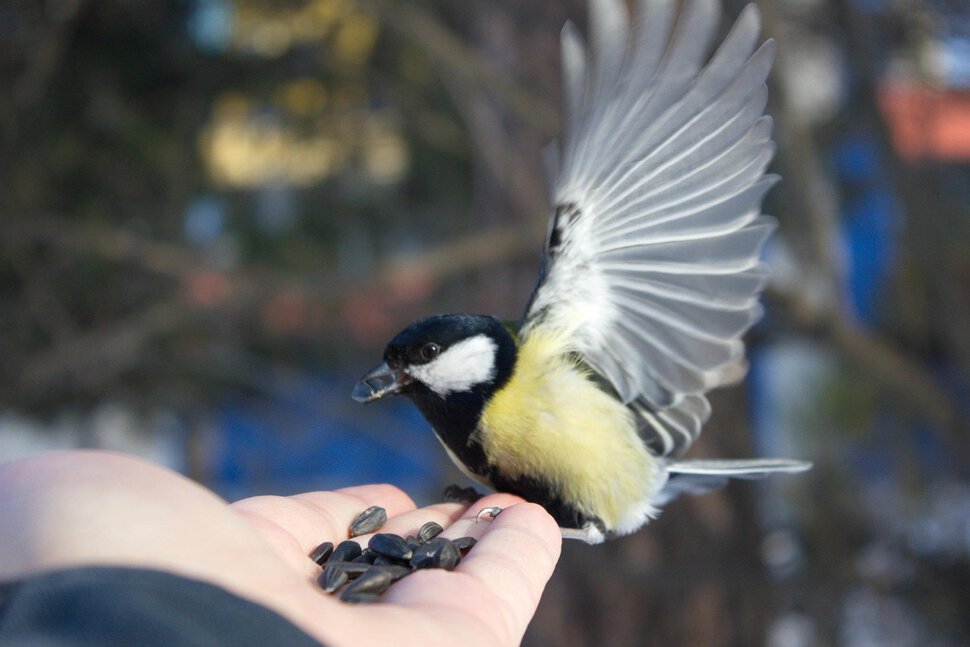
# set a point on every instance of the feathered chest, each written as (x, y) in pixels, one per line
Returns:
(552, 419)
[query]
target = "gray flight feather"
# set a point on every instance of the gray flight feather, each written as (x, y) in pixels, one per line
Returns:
(652, 258)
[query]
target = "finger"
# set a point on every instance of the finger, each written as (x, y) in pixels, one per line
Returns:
(298, 523)
(470, 525)
(408, 522)
(456, 518)
(523, 538)
(504, 574)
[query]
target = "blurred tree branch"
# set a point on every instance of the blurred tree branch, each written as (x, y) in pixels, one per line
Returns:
(107, 347)
(926, 227)
(880, 360)
(817, 198)
(423, 28)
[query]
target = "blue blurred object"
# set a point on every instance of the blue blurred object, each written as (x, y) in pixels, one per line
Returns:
(205, 220)
(210, 25)
(870, 224)
(954, 57)
(307, 434)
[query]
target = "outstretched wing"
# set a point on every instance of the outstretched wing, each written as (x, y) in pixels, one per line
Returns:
(651, 263)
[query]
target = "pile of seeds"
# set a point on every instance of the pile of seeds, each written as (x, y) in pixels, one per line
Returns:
(363, 574)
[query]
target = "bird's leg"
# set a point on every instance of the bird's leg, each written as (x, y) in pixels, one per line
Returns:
(591, 533)
(458, 494)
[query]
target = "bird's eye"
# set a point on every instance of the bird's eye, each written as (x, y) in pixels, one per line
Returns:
(430, 351)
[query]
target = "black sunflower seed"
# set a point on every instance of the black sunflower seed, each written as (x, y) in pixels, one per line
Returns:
(428, 531)
(391, 546)
(360, 598)
(436, 553)
(374, 580)
(332, 578)
(369, 520)
(366, 557)
(321, 553)
(345, 551)
(352, 569)
(464, 544)
(396, 571)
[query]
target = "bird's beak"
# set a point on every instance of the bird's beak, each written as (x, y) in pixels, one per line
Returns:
(382, 381)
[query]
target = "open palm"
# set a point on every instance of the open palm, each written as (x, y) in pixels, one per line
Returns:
(123, 511)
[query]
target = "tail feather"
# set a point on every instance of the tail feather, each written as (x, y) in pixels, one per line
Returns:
(700, 476)
(752, 468)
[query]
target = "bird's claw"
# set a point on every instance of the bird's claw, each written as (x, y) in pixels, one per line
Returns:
(491, 511)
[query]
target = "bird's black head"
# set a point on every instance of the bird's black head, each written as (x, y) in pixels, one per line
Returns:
(449, 366)
(443, 356)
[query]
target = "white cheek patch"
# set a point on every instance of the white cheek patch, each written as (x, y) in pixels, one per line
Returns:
(465, 364)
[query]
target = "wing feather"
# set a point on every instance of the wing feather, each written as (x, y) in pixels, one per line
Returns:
(652, 260)
(699, 170)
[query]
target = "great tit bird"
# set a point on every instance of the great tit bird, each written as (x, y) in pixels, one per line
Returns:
(649, 278)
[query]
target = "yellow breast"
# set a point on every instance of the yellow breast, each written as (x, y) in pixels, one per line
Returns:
(551, 421)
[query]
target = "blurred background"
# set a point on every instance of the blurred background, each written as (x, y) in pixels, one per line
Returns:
(213, 214)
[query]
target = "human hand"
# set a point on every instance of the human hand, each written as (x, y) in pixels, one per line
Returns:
(83, 508)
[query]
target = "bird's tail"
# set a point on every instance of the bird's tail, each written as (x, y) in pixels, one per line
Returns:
(700, 476)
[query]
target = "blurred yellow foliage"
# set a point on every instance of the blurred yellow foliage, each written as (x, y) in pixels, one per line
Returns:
(385, 152)
(355, 39)
(243, 149)
(303, 97)
(302, 138)
(270, 30)
(309, 130)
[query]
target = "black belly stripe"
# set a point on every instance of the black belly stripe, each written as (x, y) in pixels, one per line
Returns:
(536, 491)
(454, 420)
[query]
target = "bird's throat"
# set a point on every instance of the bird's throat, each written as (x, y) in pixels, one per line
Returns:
(454, 420)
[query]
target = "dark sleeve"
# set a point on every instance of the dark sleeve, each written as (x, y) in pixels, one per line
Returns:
(99, 606)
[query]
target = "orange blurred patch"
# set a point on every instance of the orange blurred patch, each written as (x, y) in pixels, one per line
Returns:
(208, 288)
(372, 315)
(927, 122)
(285, 314)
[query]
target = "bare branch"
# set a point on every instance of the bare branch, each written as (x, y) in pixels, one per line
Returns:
(449, 52)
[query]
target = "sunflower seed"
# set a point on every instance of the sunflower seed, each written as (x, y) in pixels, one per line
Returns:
(366, 557)
(428, 531)
(464, 544)
(396, 571)
(345, 551)
(332, 578)
(369, 520)
(436, 553)
(360, 598)
(353, 569)
(322, 552)
(390, 545)
(373, 580)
